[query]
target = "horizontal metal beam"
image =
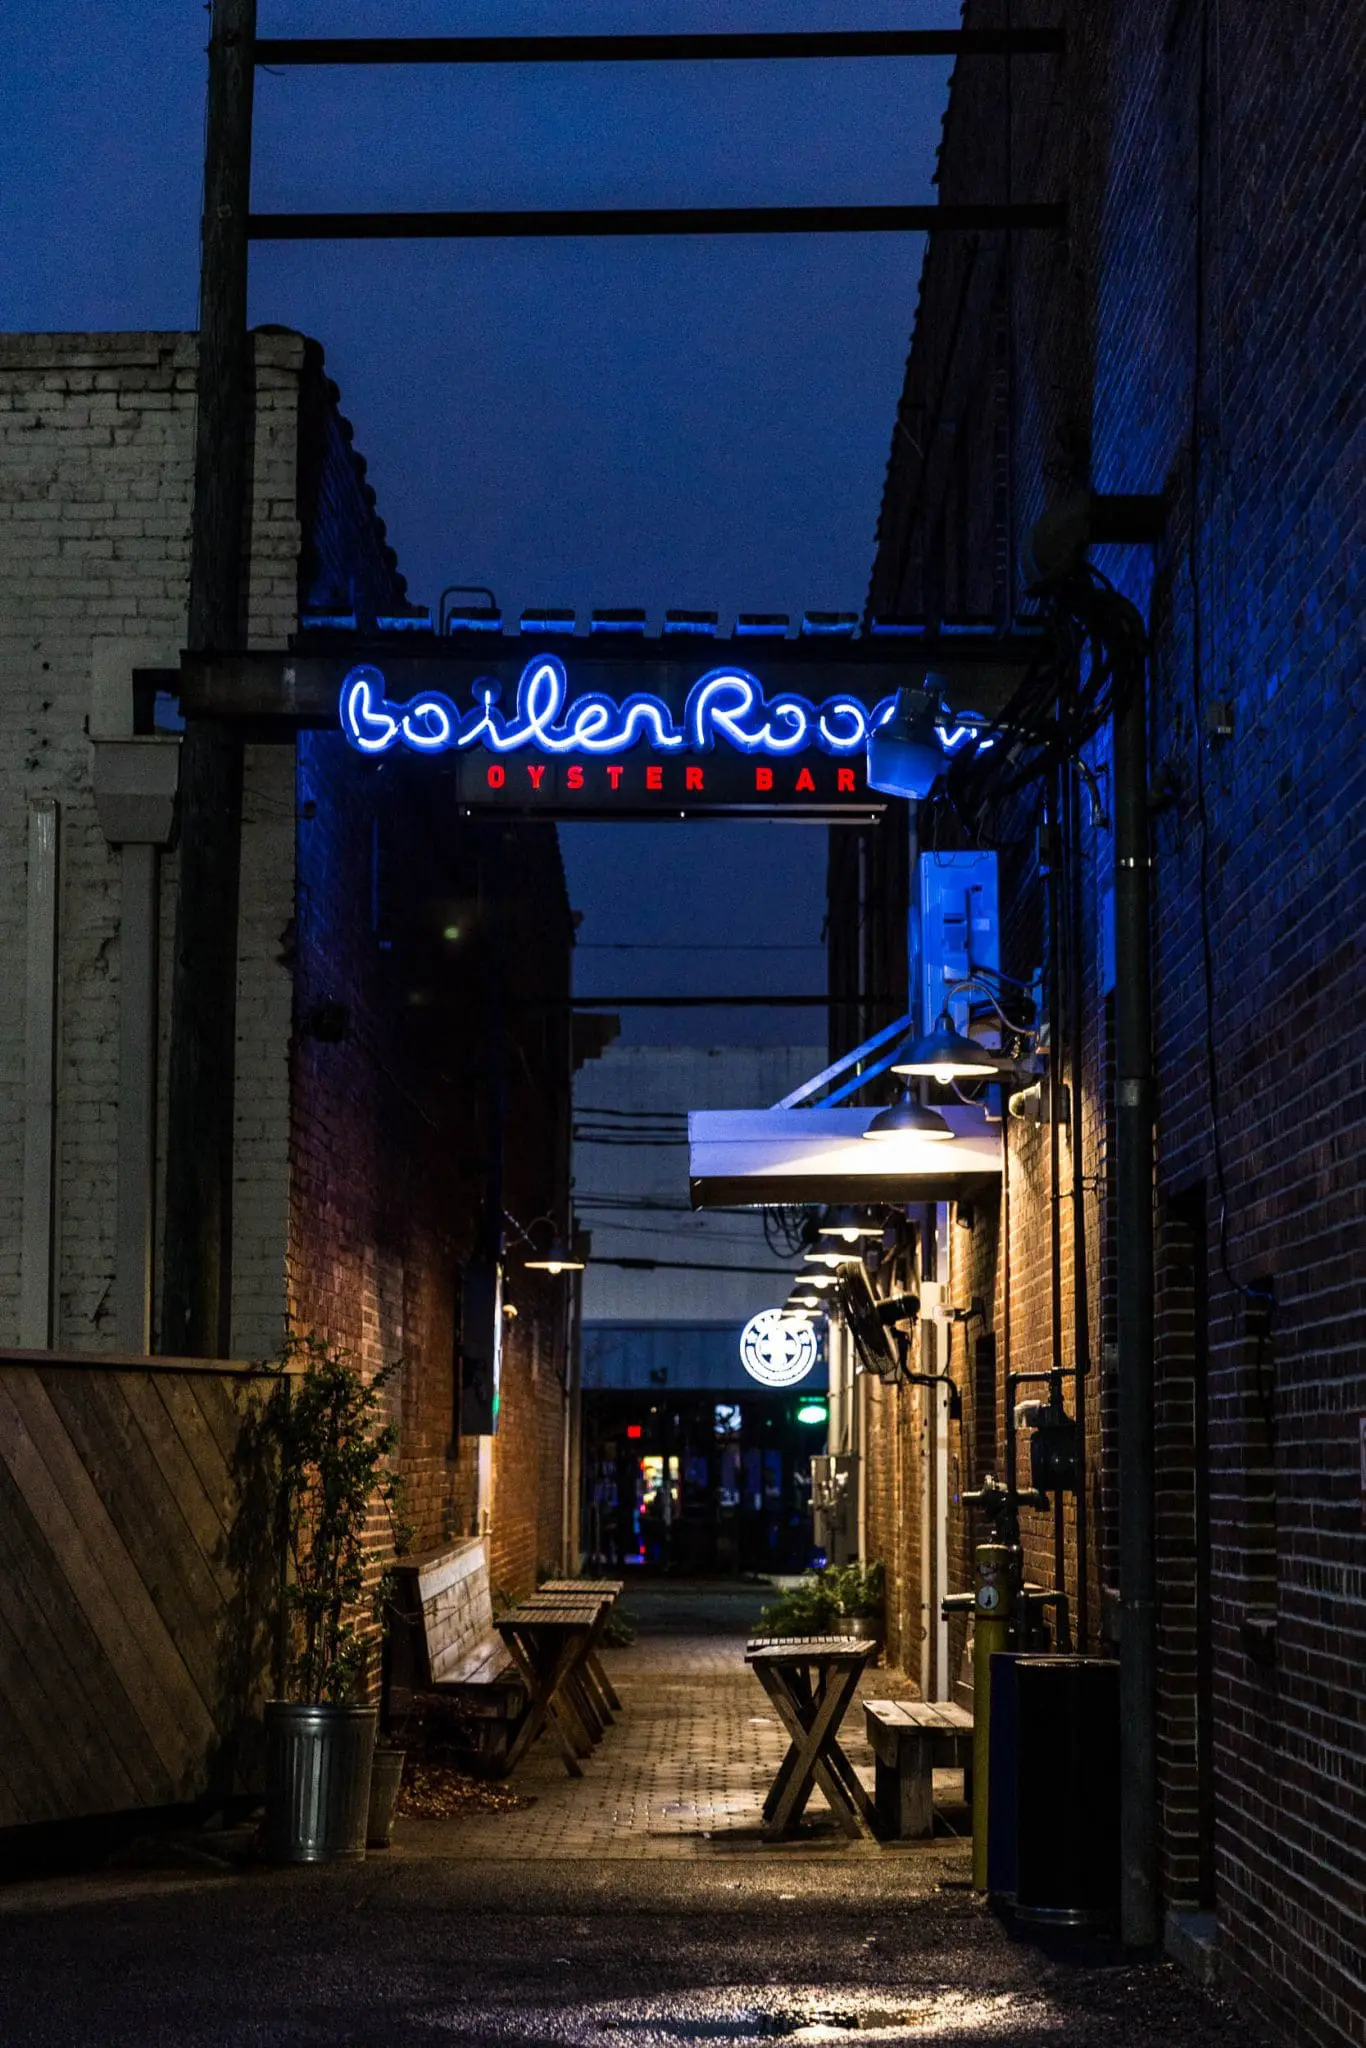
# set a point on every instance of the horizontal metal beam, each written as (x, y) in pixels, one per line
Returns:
(647, 49)
(765, 1002)
(649, 220)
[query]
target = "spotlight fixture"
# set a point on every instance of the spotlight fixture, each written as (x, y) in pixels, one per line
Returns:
(945, 1055)
(907, 1119)
(905, 757)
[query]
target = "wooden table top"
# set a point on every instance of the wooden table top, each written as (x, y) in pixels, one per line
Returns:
(807, 1649)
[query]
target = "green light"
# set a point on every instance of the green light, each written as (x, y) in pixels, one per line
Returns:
(812, 1411)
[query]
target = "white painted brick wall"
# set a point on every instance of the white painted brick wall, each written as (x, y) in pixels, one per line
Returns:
(96, 471)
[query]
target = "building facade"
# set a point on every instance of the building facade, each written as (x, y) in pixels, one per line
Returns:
(1172, 379)
(404, 1043)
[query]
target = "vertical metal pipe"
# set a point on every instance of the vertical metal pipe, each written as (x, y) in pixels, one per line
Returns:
(1139, 1923)
(1081, 1332)
(137, 1097)
(196, 1314)
(40, 1078)
(1055, 1086)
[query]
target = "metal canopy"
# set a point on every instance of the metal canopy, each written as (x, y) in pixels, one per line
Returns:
(758, 1158)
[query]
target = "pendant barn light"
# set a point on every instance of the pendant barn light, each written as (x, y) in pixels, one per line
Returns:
(559, 1257)
(847, 1224)
(907, 1119)
(945, 1055)
(819, 1257)
(817, 1279)
(801, 1303)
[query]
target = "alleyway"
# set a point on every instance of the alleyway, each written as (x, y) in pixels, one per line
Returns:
(542, 1925)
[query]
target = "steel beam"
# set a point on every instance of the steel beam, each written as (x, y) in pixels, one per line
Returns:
(650, 220)
(646, 49)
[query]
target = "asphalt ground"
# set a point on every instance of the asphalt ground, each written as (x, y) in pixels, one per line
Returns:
(633, 1907)
(434, 1952)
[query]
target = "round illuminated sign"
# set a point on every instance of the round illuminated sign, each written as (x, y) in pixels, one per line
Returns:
(777, 1350)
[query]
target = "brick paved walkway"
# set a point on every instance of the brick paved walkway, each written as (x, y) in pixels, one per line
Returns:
(684, 1770)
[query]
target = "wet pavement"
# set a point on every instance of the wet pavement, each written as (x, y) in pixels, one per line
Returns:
(481, 1930)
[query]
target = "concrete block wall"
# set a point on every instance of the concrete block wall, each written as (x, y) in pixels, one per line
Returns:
(1192, 337)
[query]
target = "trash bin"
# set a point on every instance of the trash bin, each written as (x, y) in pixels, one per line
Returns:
(1067, 1791)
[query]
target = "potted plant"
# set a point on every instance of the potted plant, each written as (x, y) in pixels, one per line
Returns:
(333, 1444)
(837, 1600)
(857, 1590)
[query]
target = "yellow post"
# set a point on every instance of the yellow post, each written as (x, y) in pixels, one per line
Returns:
(994, 1599)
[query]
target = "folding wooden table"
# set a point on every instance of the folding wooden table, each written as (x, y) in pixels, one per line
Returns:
(811, 1681)
(611, 1590)
(550, 1638)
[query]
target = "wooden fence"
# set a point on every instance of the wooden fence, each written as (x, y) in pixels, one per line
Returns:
(138, 1583)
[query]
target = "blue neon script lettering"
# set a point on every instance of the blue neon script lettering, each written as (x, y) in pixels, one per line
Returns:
(726, 704)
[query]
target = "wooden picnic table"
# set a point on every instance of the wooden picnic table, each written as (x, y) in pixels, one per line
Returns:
(552, 1637)
(811, 1681)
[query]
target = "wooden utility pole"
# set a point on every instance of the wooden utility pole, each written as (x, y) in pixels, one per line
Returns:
(196, 1296)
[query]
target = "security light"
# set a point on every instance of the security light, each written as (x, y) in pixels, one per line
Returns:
(905, 757)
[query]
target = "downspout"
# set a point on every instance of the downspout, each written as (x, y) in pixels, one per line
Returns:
(1134, 1325)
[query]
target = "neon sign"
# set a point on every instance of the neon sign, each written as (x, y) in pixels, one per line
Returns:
(726, 704)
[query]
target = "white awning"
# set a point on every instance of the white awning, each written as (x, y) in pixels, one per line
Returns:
(754, 1158)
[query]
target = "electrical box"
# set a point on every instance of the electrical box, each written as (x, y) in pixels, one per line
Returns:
(956, 931)
(834, 1507)
(481, 1349)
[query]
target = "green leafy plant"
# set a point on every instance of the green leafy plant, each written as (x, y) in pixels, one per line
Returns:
(333, 1442)
(822, 1598)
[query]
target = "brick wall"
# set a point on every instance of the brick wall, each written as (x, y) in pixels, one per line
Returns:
(431, 976)
(96, 462)
(1188, 336)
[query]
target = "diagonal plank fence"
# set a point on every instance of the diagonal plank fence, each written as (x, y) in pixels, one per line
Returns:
(139, 1580)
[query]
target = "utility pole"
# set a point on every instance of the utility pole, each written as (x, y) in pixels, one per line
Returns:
(196, 1296)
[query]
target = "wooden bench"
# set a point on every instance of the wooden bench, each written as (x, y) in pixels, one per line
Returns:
(910, 1740)
(442, 1645)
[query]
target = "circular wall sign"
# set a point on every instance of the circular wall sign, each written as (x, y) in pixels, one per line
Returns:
(777, 1350)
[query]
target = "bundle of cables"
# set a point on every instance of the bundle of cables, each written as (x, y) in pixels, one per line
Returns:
(1095, 648)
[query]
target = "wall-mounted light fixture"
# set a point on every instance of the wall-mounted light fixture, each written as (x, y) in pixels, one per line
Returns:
(905, 755)
(848, 1225)
(907, 1119)
(558, 1256)
(946, 1055)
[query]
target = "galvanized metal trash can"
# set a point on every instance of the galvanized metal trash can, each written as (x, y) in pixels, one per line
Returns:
(318, 1761)
(386, 1775)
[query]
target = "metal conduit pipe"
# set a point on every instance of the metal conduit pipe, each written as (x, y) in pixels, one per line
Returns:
(1054, 883)
(1134, 1325)
(1081, 1313)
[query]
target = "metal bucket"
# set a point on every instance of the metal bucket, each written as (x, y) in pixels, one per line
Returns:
(317, 1781)
(386, 1774)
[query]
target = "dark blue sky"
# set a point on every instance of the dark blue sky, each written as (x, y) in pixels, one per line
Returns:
(682, 421)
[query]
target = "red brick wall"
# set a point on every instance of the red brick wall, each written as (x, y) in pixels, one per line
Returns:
(414, 982)
(1188, 336)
